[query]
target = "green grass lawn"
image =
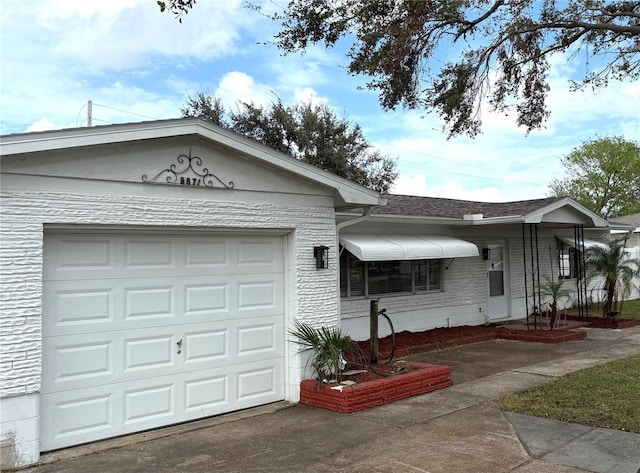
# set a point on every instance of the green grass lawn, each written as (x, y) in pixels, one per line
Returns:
(604, 396)
(630, 310)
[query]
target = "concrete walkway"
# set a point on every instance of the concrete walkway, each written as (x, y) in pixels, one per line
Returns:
(457, 429)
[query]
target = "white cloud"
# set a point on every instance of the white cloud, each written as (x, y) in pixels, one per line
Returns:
(41, 125)
(122, 34)
(236, 87)
(410, 184)
(123, 41)
(307, 94)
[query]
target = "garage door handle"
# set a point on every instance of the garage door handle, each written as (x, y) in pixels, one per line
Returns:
(179, 343)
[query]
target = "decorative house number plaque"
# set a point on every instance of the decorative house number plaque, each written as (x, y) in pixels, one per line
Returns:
(188, 171)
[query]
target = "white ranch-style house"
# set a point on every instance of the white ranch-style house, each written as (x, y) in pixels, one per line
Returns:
(150, 273)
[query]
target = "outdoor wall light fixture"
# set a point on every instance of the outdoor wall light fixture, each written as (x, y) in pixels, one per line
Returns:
(486, 253)
(321, 254)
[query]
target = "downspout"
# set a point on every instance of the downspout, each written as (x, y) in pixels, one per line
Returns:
(365, 216)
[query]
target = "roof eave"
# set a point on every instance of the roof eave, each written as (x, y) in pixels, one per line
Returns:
(416, 219)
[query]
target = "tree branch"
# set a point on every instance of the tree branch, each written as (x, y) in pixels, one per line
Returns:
(472, 24)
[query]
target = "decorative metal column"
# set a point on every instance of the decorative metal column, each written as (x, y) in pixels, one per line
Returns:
(581, 272)
(531, 267)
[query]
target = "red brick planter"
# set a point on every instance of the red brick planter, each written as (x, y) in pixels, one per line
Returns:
(423, 378)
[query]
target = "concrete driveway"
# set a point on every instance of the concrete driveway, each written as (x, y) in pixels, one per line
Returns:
(457, 429)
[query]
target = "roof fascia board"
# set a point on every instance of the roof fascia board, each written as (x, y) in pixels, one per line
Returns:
(497, 220)
(416, 219)
(91, 136)
(445, 220)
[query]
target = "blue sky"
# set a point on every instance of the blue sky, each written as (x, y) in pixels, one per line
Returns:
(137, 64)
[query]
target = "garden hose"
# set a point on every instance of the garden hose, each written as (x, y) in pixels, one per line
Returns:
(388, 359)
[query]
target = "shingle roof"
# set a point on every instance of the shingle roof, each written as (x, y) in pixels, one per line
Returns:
(633, 219)
(416, 206)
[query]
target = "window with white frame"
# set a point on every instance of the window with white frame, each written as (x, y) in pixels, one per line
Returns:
(375, 278)
(567, 262)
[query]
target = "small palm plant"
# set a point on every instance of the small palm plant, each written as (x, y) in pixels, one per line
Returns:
(554, 292)
(329, 346)
(618, 270)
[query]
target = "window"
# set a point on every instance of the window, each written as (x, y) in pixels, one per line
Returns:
(567, 262)
(374, 278)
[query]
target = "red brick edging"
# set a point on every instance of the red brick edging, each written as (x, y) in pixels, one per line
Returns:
(357, 397)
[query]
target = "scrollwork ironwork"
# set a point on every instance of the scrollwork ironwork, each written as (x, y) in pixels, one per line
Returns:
(175, 173)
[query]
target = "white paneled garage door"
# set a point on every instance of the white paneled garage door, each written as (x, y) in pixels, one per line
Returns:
(147, 330)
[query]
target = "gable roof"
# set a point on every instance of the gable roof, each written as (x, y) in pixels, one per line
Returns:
(346, 193)
(557, 210)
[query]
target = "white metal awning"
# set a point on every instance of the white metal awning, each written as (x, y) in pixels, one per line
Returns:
(587, 243)
(406, 247)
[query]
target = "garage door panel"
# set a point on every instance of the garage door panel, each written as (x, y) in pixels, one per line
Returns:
(208, 393)
(259, 383)
(257, 339)
(74, 362)
(206, 299)
(256, 295)
(87, 306)
(206, 346)
(68, 419)
(259, 296)
(149, 253)
(143, 331)
(149, 302)
(206, 254)
(70, 254)
(149, 353)
(145, 405)
(265, 253)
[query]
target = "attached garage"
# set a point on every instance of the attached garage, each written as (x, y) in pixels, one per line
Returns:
(144, 330)
(150, 273)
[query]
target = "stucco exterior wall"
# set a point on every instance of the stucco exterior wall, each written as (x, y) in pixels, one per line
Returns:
(30, 204)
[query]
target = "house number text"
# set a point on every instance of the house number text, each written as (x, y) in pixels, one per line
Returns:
(190, 181)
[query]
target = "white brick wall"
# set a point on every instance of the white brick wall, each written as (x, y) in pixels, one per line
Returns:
(25, 213)
(311, 294)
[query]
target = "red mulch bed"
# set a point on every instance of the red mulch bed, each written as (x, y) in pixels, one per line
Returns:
(411, 343)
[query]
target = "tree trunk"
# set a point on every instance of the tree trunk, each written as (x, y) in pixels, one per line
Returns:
(611, 289)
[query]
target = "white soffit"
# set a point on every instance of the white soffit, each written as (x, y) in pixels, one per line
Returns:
(587, 243)
(406, 247)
